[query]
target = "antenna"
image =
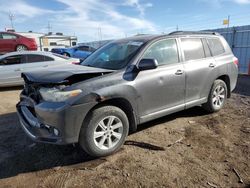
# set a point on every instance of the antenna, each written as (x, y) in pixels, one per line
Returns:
(11, 17)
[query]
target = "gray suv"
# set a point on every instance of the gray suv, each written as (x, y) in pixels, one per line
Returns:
(123, 84)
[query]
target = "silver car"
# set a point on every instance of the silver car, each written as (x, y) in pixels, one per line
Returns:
(13, 64)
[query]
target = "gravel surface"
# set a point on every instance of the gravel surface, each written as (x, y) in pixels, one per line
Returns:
(186, 149)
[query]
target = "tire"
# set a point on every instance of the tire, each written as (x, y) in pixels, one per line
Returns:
(217, 97)
(107, 140)
(20, 48)
(66, 54)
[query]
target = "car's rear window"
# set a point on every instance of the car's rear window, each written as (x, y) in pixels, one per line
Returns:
(215, 46)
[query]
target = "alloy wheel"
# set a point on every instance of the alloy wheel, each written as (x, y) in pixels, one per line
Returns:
(218, 96)
(21, 48)
(108, 132)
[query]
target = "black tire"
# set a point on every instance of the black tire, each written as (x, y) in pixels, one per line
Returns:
(210, 105)
(20, 48)
(66, 54)
(90, 125)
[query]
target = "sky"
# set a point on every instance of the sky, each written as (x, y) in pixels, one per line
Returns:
(91, 20)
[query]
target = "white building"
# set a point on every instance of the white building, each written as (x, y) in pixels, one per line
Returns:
(45, 42)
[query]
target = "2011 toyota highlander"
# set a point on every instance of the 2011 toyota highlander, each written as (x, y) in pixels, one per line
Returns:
(123, 84)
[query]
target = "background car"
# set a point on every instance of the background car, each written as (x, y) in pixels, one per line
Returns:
(14, 63)
(10, 42)
(80, 52)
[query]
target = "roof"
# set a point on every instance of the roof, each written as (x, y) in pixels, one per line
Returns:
(145, 38)
(26, 52)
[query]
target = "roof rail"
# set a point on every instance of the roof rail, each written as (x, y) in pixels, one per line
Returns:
(193, 33)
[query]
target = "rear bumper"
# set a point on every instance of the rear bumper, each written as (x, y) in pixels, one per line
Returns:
(55, 123)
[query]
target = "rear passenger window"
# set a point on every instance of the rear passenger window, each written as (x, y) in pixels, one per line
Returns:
(46, 58)
(215, 46)
(34, 58)
(193, 49)
(165, 52)
(31, 58)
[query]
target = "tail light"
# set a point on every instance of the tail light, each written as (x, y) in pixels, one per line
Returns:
(75, 63)
(236, 61)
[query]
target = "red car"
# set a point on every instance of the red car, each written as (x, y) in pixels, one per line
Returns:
(10, 42)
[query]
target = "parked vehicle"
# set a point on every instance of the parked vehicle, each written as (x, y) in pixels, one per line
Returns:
(14, 63)
(126, 83)
(10, 42)
(80, 52)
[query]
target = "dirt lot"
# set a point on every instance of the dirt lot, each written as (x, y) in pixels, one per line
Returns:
(186, 149)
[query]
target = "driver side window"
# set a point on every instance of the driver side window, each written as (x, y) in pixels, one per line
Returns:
(12, 60)
(164, 51)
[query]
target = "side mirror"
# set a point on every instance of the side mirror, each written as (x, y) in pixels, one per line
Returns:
(147, 64)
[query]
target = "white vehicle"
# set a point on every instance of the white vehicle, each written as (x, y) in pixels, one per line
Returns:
(14, 63)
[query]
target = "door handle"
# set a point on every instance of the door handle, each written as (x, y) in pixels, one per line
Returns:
(179, 72)
(211, 65)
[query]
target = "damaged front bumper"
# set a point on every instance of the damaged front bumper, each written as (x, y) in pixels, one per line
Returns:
(52, 122)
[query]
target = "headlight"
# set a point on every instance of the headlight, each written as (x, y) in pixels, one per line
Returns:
(57, 95)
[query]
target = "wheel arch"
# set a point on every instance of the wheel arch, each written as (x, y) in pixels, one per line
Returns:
(20, 44)
(124, 105)
(226, 79)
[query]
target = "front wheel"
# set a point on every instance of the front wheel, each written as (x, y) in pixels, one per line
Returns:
(217, 96)
(104, 131)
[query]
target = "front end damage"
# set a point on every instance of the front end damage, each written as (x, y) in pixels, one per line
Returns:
(57, 122)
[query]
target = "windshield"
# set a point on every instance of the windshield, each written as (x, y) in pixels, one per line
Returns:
(114, 55)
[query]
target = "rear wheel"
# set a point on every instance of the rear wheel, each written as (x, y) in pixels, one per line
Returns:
(217, 96)
(66, 54)
(20, 48)
(104, 131)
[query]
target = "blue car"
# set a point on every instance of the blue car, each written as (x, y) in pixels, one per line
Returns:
(80, 52)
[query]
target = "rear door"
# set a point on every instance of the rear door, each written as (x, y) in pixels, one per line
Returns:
(10, 70)
(9, 42)
(2, 46)
(36, 62)
(81, 52)
(198, 65)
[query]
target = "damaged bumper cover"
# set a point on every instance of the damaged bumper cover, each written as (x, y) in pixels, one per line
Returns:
(52, 122)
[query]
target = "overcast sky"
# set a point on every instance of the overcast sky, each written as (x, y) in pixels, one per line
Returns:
(94, 19)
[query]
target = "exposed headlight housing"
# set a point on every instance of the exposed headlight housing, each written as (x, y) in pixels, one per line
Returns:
(57, 95)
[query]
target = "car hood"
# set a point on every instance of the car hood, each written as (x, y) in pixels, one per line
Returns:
(64, 74)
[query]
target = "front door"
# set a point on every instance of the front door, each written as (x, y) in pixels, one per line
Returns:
(163, 88)
(11, 69)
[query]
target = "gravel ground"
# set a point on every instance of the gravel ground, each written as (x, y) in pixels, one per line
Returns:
(186, 149)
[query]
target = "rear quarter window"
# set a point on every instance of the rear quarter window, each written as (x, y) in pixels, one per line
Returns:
(216, 46)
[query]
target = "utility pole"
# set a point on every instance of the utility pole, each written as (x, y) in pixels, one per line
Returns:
(177, 28)
(99, 33)
(11, 17)
(49, 27)
(228, 18)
